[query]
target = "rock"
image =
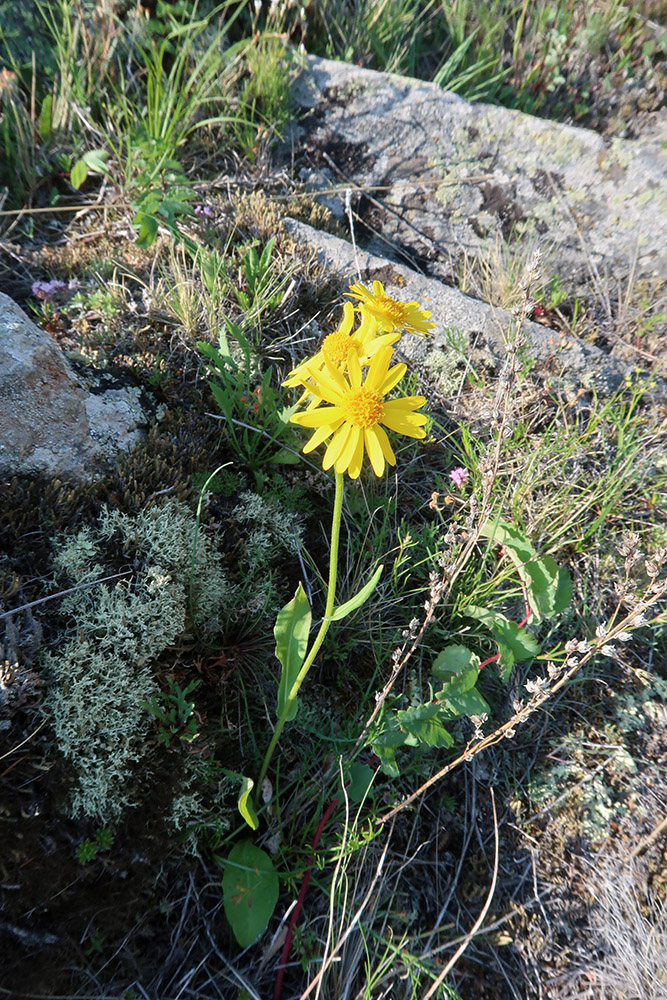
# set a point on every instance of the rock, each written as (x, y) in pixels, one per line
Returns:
(438, 177)
(477, 328)
(49, 422)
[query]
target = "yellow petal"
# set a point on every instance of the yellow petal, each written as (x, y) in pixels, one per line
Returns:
(318, 417)
(393, 377)
(348, 452)
(374, 449)
(320, 435)
(384, 444)
(336, 445)
(357, 459)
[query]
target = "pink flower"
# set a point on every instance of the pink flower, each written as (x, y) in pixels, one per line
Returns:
(47, 290)
(459, 477)
(202, 210)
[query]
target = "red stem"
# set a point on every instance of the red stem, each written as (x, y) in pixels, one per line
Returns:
(299, 902)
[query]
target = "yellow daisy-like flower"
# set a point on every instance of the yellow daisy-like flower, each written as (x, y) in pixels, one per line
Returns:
(359, 413)
(390, 313)
(337, 346)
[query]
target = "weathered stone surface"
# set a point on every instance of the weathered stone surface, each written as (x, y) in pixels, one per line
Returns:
(48, 421)
(477, 328)
(445, 176)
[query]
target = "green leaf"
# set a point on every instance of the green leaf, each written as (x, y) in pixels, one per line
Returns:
(423, 723)
(78, 174)
(459, 696)
(385, 746)
(250, 891)
(360, 778)
(343, 610)
(95, 160)
(245, 805)
(549, 587)
(148, 228)
(291, 630)
(510, 537)
(454, 659)
(283, 457)
(514, 644)
(44, 126)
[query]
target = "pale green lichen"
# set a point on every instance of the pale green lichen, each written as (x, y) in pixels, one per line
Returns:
(102, 676)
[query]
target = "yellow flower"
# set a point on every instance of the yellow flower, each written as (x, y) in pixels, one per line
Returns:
(390, 313)
(359, 413)
(337, 346)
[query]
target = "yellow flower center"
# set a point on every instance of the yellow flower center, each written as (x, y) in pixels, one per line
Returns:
(396, 311)
(364, 408)
(337, 347)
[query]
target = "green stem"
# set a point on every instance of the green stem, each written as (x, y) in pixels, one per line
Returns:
(319, 638)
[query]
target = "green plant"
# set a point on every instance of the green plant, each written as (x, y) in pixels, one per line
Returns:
(88, 849)
(175, 714)
(256, 427)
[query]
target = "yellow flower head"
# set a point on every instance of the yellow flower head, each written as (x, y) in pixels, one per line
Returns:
(358, 413)
(390, 313)
(337, 346)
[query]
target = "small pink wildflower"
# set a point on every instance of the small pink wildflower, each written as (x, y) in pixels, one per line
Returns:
(202, 210)
(48, 290)
(459, 477)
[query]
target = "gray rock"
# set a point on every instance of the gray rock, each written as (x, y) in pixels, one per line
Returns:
(49, 422)
(447, 177)
(478, 329)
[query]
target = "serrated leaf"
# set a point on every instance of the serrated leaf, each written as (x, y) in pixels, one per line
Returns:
(459, 696)
(343, 610)
(385, 746)
(424, 724)
(452, 660)
(148, 228)
(44, 126)
(250, 891)
(245, 805)
(291, 631)
(78, 174)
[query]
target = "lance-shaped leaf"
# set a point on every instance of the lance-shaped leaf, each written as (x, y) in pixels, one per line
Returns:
(291, 630)
(245, 805)
(250, 891)
(343, 610)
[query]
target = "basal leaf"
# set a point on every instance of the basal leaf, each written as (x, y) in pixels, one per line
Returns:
(95, 160)
(343, 610)
(250, 891)
(360, 778)
(246, 807)
(452, 660)
(148, 228)
(291, 630)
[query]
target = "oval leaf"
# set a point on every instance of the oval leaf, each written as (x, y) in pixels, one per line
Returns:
(250, 891)
(291, 630)
(452, 660)
(78, 174)
(343, 610)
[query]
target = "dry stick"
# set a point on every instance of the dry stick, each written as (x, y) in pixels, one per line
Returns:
(62, 593)
(480, 919)
(647, 841)
(507, 729)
